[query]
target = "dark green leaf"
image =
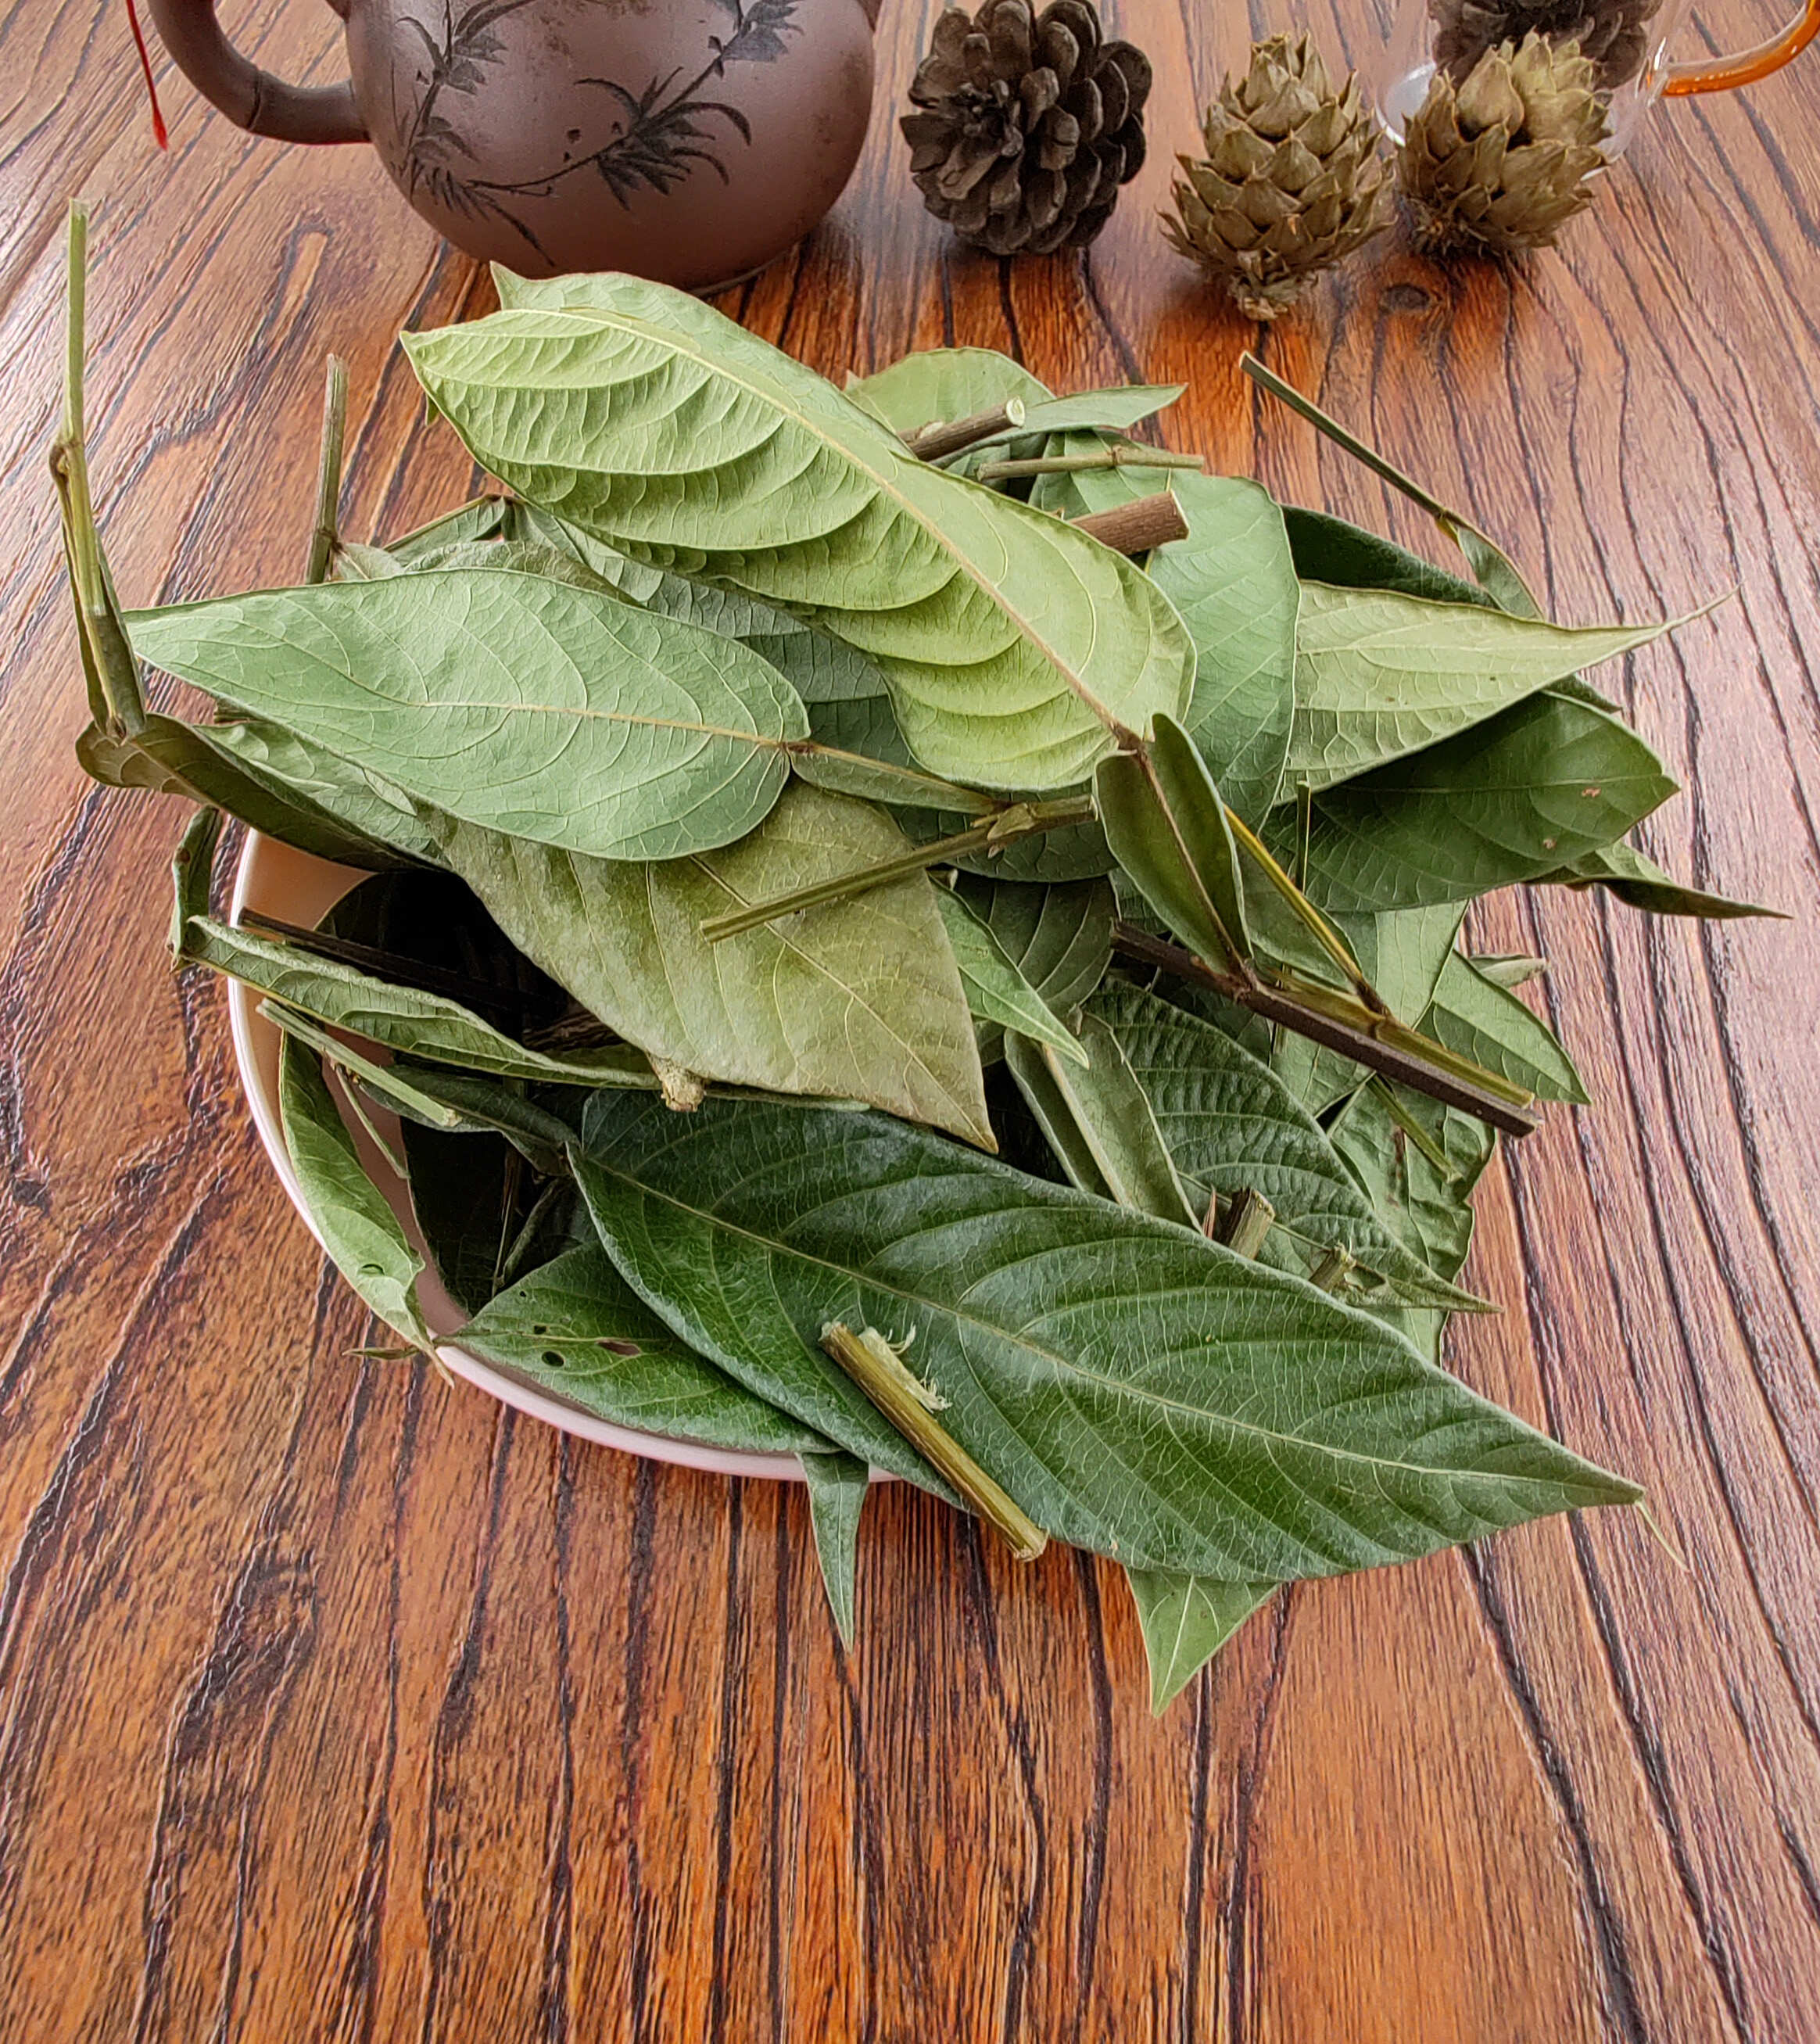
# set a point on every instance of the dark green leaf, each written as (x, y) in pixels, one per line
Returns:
(1167, 824)
(1506, 801)
(1230, 1125)
(1136, 1389)
(1638, 882)
(1099, 1124)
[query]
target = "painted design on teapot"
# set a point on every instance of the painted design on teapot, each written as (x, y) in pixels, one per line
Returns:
(656, 136)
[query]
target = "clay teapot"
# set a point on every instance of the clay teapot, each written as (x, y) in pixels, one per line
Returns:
(687, 140)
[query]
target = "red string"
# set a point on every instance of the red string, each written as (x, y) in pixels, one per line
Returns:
(159, 133)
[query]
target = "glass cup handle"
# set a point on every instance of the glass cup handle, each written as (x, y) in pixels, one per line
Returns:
(1718, 74)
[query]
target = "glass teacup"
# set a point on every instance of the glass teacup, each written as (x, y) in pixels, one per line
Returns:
(1627, 42)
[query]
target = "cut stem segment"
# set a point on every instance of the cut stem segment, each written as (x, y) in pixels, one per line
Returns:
(323, 536)
(1137, 527)
(880, 1372)
(941, 438)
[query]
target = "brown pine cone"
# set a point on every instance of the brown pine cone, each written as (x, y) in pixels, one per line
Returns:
(1026, 125)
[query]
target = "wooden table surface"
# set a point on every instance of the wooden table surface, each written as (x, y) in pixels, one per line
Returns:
(335, 1702)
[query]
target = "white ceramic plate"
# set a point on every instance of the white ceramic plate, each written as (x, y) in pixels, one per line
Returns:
(275, 881)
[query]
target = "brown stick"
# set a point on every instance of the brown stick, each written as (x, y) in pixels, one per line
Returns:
(1387, 1060)
(1137, 527)
(941, 438)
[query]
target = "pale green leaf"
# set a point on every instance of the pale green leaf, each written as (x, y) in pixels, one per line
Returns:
(1185, 1621)
(1487, 1023)
(404, 1019)
(1136, 1389)
(509, 701)
(937, 385)
(859, 999)
(837, 1485)
(1059, 937)
(1233, 582)
(1379, 674)
(273, 783)
(347, 1212)
(1015, 646)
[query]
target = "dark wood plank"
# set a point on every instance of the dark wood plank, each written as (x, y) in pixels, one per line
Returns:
(333, 1702)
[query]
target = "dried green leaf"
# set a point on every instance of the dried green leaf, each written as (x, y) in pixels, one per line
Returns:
(1138, 1390)
(510, 700)
(1016, 648)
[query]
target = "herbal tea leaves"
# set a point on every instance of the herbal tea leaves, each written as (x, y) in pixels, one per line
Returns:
(510, 700)
(859, 1000)
(660, 712)
(1136, 1389)
(1230, 1126)
(1016, 647)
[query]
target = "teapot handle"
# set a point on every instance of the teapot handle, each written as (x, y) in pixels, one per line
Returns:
(252, 99)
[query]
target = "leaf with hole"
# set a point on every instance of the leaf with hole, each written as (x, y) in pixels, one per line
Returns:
(576, 1330)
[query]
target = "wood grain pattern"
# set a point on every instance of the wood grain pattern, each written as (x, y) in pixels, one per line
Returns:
(335, 1702)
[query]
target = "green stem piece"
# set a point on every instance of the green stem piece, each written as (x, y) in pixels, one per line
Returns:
(990, 833)
(112, 672)
(1414, 1132)
(322, 538)
(1128, 455)
(1322, 931)
(879, 1371)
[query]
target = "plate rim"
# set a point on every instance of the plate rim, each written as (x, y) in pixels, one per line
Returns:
(256, 886)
